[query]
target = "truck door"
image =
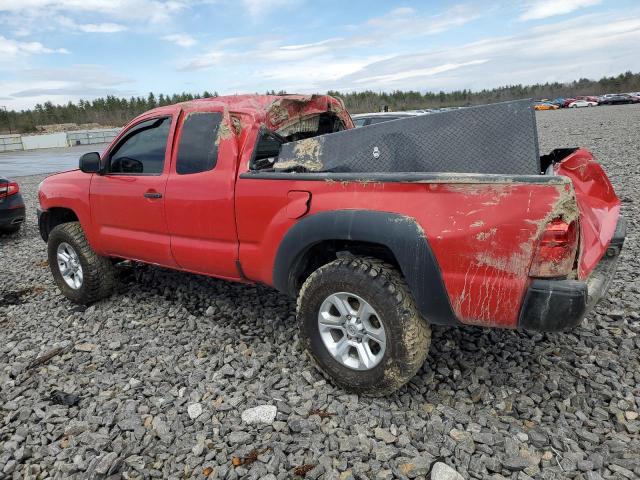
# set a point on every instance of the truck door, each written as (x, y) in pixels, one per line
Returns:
(200, 193)
(127, 199)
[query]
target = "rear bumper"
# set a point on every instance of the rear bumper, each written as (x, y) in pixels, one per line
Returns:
(555, 305)
(12, 211)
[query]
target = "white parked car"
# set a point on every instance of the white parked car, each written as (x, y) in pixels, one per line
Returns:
(583, 103)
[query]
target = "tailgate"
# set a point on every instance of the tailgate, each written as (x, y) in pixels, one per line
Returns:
(598, 204)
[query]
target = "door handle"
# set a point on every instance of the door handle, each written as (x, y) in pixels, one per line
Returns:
(152, 195)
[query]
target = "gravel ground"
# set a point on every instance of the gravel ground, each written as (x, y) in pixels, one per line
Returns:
(161, 374)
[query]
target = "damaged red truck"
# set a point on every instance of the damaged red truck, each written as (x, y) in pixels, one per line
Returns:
(373, 259)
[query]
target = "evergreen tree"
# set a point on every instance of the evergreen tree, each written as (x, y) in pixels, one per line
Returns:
(114, 111)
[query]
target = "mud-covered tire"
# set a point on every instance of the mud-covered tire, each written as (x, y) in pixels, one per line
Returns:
(381, 285)
(98, 272)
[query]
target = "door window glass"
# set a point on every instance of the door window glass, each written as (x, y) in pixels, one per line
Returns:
(142, 150)
(198, 150)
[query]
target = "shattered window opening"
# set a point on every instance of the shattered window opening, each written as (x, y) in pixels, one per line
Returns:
(304, 129)
(198, 149)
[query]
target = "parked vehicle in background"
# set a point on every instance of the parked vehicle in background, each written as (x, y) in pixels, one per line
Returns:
(241, 188)
(582, 103)
(545, 106)
(601, 98)
(364, 119)
(590, 98)
(619, 99)
(11, 206)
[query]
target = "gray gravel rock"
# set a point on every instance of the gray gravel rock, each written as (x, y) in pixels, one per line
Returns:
(105, 462)
(263, 414)
(563, 405)
(384, 435)
(194, 410)
(442, 471)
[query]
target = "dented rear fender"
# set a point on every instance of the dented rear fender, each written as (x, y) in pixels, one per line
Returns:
(598, 205)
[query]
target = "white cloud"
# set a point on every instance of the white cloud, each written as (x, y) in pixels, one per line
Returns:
(181, 39)
(262, 7)
(547, 53)
(102, 27)
(90, 74)
(539, 9)
(420, 72)
(306, 46)
(398, 23)
(304, 73)
(60, 85)
(405, 21)
(13, 48)
(70, 24)
(153, 10)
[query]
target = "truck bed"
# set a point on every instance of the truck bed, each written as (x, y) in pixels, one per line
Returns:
(491, 139)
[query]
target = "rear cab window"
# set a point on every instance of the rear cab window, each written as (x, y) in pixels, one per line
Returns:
(198, 149)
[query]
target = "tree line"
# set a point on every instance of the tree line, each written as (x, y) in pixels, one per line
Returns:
(114, 111)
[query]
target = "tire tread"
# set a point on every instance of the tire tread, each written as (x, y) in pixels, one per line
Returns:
(416, 331)
(99, 276)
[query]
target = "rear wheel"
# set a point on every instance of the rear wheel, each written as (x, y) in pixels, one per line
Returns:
(81, 275)
(360, 324)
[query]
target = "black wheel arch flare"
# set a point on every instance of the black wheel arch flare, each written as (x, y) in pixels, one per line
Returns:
(401, 234)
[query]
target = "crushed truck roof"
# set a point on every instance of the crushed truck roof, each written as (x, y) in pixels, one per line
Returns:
(278, 111)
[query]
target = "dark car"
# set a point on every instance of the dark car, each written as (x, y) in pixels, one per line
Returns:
(619, 99)
(11, 206)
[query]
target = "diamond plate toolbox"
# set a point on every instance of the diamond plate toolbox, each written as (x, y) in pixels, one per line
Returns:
(500, 138)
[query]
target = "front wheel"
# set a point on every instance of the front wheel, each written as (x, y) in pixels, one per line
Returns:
(81, 275)
(360, 324)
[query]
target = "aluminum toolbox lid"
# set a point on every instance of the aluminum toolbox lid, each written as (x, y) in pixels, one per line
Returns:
(500, 138)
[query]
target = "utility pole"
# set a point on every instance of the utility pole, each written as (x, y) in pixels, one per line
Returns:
(8, 119)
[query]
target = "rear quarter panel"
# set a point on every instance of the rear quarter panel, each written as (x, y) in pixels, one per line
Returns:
(482, 235)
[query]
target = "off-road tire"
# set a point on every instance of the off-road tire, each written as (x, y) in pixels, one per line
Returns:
(98, 272)
(380, 284)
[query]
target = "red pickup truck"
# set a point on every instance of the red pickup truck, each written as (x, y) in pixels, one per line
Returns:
(373, 259)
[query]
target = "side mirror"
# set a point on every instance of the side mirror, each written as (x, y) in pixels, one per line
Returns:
(90, 162)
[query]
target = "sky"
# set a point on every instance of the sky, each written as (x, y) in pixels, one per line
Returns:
(66, 50)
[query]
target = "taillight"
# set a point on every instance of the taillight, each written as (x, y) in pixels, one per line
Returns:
(7, 189)
(556, 251)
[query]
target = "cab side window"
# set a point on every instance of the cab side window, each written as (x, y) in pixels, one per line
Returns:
(198, 149)
(142, 150)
